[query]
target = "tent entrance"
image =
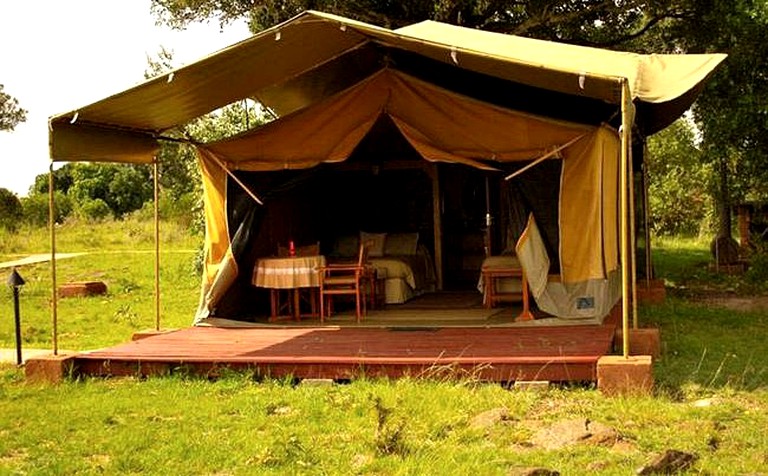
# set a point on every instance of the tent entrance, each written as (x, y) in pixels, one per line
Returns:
(384, 187)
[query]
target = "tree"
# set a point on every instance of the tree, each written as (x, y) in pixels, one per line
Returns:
(732, 112)
(122, 188)
(679, 197)
(10, 112)
(62, 180)
(10, 210)
(36, 208)
(593, 22)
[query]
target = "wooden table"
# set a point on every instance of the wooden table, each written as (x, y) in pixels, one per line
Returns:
(292, 274)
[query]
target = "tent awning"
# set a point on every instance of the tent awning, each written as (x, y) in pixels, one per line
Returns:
(291, 64)
(442, 126)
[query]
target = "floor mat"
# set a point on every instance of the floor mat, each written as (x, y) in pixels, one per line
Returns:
(444, 300)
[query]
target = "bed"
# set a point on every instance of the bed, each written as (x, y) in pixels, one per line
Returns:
(405, 265)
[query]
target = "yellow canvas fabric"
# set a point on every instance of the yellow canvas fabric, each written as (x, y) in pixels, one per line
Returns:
(653, 78)
(219, 267)
(128, 123)
(588, 207)
(216, 234)
(441, 125)
(78, 142)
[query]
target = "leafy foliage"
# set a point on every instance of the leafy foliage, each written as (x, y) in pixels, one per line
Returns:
(592, 22)
(678, 196)
(122, 188)
(732, 112)
(10, 112)
(36, 208)
(10, 210)
(62, 180)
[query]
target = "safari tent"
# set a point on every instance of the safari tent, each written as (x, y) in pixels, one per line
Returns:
(480, 143)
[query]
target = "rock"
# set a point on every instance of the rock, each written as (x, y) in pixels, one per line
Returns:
(669, 462)
(534, 472)
(568, 432)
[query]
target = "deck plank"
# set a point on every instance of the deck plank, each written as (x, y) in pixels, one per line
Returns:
(561, 353)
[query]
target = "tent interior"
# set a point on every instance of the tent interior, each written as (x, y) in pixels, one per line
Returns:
(408, 133)
(385, 187)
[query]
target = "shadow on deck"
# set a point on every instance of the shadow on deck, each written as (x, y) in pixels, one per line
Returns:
(420, 340)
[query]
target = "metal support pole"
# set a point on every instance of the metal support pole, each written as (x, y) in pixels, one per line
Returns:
(17, 322)
(632, 238)
(157, 247)
(624, 228)
(54, 295)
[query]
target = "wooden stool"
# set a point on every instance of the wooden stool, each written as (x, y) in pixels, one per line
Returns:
(492, 295)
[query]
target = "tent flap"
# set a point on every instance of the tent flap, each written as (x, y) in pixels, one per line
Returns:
(86, 143)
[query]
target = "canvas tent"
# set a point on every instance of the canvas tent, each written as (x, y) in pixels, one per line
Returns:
(452, 96)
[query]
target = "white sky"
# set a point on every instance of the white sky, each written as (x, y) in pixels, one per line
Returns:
(59, 55)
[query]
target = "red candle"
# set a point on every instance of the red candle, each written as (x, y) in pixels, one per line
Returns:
(291, 248)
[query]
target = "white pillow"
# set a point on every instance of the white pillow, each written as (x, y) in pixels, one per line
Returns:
(376, 248)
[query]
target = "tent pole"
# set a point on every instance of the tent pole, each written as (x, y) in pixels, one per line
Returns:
(647, 217)
(624, 229)
(54, 297)
(437, 226)
(632, 238)
(247, 190)
(488, 220)
(157, 245)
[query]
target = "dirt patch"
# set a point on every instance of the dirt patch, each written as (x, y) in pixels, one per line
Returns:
(570, 432)
(736, 303)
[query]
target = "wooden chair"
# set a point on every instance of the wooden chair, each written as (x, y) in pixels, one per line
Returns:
(350, 279)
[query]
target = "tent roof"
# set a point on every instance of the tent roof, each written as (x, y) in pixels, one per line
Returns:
(316, 55)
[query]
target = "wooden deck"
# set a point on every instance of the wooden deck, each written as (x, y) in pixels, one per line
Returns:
(504, 354)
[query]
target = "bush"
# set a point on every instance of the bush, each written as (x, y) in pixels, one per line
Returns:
(185, 209)
(10, 210)
(36, 210)
(94, 210)
(757, 273)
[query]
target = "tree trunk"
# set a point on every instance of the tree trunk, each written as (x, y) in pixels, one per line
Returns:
(725, 250)
(724, 225)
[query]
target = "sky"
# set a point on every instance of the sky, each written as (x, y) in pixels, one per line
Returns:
(59, 55)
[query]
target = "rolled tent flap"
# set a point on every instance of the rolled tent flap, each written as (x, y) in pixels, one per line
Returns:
(87, 143)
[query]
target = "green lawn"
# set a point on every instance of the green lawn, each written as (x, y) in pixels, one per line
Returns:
(711, 395)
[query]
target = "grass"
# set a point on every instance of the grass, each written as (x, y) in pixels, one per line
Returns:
(711, 395)
(238, 426)
(122, 255)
